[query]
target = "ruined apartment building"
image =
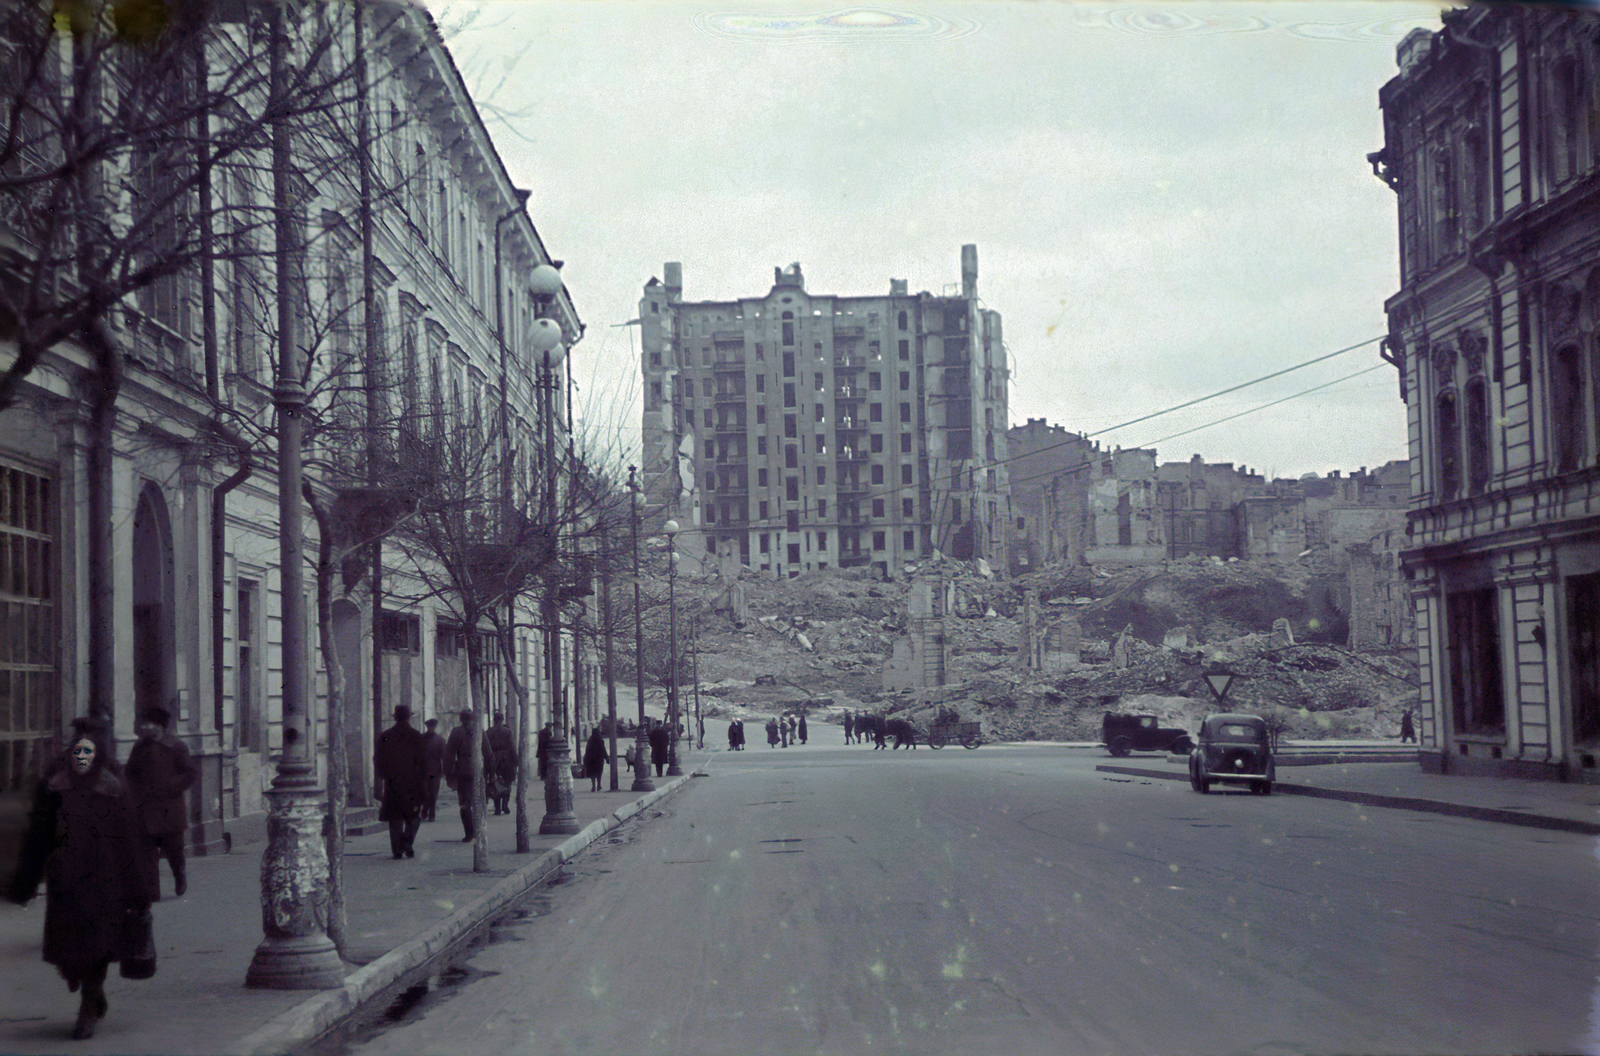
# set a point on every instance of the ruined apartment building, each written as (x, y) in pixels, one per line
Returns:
(793, 430)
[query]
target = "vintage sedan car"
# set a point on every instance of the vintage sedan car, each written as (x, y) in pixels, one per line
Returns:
(1234, 749)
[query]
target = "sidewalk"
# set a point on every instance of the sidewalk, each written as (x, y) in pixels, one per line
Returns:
(399, 914)
(1404, 785)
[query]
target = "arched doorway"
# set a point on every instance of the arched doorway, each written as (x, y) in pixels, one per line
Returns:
(154, 675)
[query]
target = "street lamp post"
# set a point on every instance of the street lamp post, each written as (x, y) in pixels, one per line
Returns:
(671, 528)
(546, 341)
(295, 951)
(641, 745)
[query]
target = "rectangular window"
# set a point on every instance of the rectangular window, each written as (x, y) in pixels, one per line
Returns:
(877, 474)
(905, 412)
(822, 413)
(955, 511)
(247, 698)
(761, 414)
(908, 508)
(711, 480)
(708, 417)
(761, 445)
(877, 507)
(792, 520)
(875, 412)
(761, 383)
(761, 478)
(874, 380)
(788, 394)
(822, 507)
(822, 475)
(878, 540)
(905, 349)
(791, 489)
(817, 381)
(905, 443)
(877, 443)
(791, 456)
(905, 381)
(761, 350)
(764, 543)
(908, 540)
(822, 443)
(822, 540)
(788, 364)
(791, 426)
(794, 553)
(763, 515)
(905, 474)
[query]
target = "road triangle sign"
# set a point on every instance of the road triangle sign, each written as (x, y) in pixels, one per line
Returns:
(1219, 681)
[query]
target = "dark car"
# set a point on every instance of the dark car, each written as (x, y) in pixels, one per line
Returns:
(1235, 749)
(1122, 734)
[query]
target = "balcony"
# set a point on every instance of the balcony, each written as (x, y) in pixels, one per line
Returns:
(849, 362)
(849, 454)
(726, 364)
(729, 397)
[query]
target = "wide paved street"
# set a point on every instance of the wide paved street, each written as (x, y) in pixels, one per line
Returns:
(1012, 900)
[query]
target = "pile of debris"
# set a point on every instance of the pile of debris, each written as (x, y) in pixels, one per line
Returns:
(1148, 633)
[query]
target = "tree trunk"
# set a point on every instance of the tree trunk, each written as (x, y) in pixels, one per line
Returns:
(338, 763)
(480, 839)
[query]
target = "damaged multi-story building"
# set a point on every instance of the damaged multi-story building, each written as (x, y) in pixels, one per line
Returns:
(793, 430)
(1491, 148)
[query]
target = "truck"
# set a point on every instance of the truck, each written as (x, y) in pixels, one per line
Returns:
(1122, 734)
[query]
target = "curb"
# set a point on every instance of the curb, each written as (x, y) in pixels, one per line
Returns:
(1376, 799)
(314, 1016)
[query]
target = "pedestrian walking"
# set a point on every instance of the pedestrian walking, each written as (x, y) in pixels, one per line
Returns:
(84, 841)
(772, 733)
(595, 758)
(459, 767)
(741, 735)
(401, 763)
(1408, 729)
(802, 728)
(792, 729)
(658, 747)
(158, 773)
(504, 745)
(541, 753)
(849, 727)
(733, 736)
(433, 755)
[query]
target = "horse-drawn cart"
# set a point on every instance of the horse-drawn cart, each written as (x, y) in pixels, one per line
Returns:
(966, 734)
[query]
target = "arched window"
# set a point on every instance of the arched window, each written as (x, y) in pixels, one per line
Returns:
(1447, 445)
(902, 320)
(1567, 425)
(1477, 436)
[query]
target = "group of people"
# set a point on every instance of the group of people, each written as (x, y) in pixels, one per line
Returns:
(97, 832)
(784, 730)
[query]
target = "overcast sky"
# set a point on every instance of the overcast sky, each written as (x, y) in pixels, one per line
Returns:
(1167, 199)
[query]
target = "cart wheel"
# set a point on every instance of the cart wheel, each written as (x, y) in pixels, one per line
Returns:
(936, 742)
(1120, 746)
(972, 741)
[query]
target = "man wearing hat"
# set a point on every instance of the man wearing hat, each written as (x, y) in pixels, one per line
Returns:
(458, 767)
(401, 763)
(159, 772)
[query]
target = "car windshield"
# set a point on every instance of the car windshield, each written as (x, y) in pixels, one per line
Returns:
(1235, 731)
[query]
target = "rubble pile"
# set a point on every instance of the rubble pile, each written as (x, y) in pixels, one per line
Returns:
(1147, 635)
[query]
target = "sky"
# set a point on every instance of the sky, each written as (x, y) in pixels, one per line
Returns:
(1168, 199)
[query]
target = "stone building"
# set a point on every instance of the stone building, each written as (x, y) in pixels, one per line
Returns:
(797, 430)
(409, 330)
(1491, 150)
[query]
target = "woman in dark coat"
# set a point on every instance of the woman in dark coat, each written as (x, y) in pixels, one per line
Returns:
(595, 759)
(84, 840)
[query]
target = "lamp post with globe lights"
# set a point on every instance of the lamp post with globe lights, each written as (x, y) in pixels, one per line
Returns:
(641, 747)
(671, 528)
(548, 345)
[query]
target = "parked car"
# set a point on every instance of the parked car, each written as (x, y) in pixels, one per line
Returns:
(1122, 734)
(1235, 749)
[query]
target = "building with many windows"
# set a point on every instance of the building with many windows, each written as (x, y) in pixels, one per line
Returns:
(403, 288)
(796, 430)
(1491, 149)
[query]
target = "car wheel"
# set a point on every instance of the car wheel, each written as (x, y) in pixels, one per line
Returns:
(1265, 788)
(1194, 776)
(1182, 746)
(1120, 746)
(1202, 785)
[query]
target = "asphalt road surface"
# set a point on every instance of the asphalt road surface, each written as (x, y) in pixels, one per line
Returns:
(1014, 901)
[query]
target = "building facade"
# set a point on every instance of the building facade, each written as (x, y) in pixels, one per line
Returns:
(413, 333)
(1491, 149)
(796, 431)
